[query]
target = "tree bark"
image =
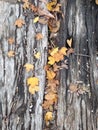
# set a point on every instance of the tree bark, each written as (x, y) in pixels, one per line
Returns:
(79, 112)
(15, 113)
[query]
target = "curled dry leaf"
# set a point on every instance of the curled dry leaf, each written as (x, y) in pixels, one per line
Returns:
(11, 54)
(29, 67)
(50, 74)
(39, 36)
(19, 22)
(54, 25)
(11, 40)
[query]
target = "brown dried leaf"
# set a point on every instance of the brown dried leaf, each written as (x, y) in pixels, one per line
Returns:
(11, 54)
(73, 87)
(11, 40)
(39, 36)
(19, 22)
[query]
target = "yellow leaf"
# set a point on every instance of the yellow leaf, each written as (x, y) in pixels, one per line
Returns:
(29, 67)
(39, 36)
(32, 81)
(50, 75)
(37, 55)
(96, 1)
(50, 5)
(63, 50)
(11, 53)
(55, 50)
(69, 42)
(35, 20)
(11, 40)
(48, 116)
(32, 90)
(51, 60)
(19, 22)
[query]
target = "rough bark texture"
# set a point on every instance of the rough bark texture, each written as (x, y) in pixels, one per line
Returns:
(79, 112)
(74, 112)
(14, 106)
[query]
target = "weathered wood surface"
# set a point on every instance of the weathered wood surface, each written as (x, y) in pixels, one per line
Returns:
(79, 112)
(12, 73)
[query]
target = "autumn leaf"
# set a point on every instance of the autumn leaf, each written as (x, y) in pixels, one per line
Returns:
(11, 54)
(58, 57)
(70, 51)
(26, 5)
(48, 116)
(54, 50)
(43, 20)
(33, 81)
(56, 67)
(50, 5)
(96, 1)
(33, 8)
(63, 50)
(35, 20)
(50, 74)
(54, 25)
(19, 22)
(34, 89)
(29, 67)
(37, 55)
(47, 104)
(51, 96)
(11, 40)
(39, 36)
(73, 87)
(57, 8)
(69, 42)
(51, 60)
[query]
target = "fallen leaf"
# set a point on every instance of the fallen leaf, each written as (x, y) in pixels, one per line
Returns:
(39, 36)
(19, 22)
(96, 1)
(63, 50)
(11, 54)
(26, 5)
(29, 67)
(57, 8)
(58, 57)
(69, 42)
(50, 74)
(73, 87)
(51, 60)
(34, 8)
(33, 81)
(37, 55)
(56, 67)
(54, 25)
(34, 89)
(53, 51)
(48, 116)
(50, 5)
(47, 104)
(36, 19)
(51, 96)
(11, 40)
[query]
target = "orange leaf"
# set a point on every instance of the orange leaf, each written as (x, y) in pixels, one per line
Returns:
(54, 50)
(11, 54)
(69, 42)
(58, 57)
(63, 50)
(48, 116)
(50, 75)
(19, 22)
(29, 67)
(39, 36)
(11, 40)
(51, 96)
